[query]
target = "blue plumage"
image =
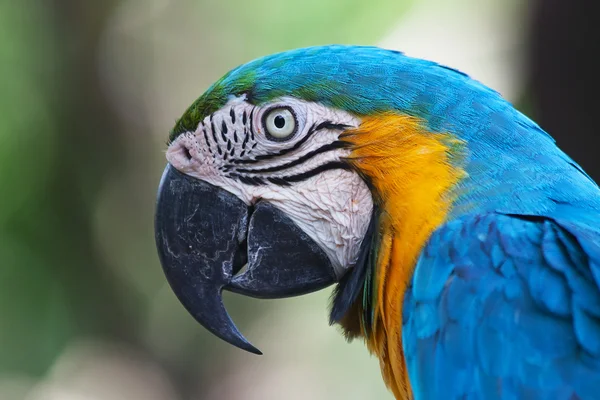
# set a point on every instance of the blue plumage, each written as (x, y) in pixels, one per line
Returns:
(505, 307)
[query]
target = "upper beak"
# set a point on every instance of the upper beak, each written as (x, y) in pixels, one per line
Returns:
(205, 235)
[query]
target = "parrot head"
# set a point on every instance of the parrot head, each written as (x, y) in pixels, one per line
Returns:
(315, 167)
(259, 197)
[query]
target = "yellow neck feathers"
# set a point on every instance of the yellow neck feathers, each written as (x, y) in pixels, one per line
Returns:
(412, 175)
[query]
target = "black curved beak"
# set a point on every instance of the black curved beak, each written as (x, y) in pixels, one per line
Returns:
(205, 235)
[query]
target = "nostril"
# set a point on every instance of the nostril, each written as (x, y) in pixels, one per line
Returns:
(186, 153)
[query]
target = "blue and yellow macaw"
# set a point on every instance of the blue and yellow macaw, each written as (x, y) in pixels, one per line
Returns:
(464, 243)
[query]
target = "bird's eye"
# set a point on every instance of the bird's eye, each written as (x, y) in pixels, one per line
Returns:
(280, 123)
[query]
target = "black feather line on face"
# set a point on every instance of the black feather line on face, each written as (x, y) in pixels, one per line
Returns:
(252, 123)
(248, 180)
(246, 137)
(224, 131)
(279, 181)
(325, 148)
(206, 141)
(288, 180)
(315, 171)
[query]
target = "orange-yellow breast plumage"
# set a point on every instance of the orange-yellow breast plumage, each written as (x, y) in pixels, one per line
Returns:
(413, 172)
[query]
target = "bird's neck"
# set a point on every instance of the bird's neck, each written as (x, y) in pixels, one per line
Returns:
(413, 173)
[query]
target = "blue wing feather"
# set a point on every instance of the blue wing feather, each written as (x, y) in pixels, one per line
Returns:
(506, 307)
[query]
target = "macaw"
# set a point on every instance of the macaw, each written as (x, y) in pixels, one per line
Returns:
(464, 244)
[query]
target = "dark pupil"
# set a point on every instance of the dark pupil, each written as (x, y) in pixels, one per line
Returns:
(279, 122)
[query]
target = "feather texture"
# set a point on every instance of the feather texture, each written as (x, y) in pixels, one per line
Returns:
(413, 189)
(505, 307)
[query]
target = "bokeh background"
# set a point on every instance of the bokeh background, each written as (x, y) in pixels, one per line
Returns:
(88, 93)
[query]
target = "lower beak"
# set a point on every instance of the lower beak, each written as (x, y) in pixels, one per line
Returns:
(205, 235)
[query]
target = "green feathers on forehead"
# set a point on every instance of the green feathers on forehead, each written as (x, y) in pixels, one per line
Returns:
(360, 80)
(212, 100)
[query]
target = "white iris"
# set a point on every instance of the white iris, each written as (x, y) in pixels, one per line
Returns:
(280, 123)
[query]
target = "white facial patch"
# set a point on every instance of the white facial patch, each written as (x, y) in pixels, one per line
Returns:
(249, 151)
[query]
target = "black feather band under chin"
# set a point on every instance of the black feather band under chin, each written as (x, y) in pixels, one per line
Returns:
(359, 279)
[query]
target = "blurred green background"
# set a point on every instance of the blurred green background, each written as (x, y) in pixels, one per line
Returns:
(88, 93)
